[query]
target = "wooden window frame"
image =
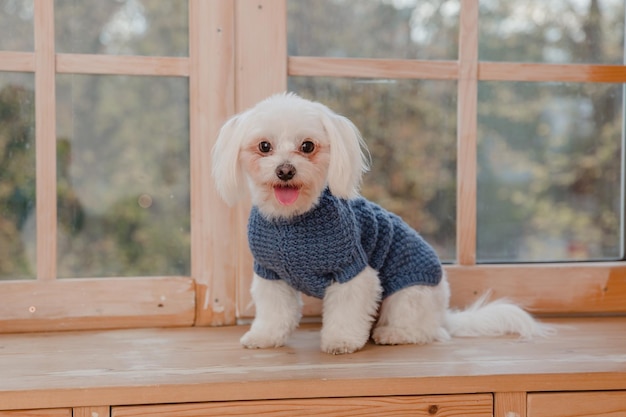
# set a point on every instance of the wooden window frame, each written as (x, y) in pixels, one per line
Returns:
(544, 288)
(48, 303)
(229, 41)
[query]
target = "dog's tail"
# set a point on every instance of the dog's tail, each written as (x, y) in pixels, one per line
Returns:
(494, 318)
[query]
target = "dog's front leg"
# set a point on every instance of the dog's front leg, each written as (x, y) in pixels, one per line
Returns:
(349, 311)
(278, 312)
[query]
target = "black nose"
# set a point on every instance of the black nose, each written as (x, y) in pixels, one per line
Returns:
(285, 172)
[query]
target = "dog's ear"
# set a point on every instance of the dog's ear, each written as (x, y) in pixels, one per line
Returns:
(348, 160)
(226, 170)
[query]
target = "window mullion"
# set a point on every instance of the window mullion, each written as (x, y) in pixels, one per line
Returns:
(45, 128)
(213, 245)
(261, 43)
(467, 133)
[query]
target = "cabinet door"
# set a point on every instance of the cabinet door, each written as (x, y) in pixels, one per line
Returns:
(478, 405)
(57, 412)
(576, 404)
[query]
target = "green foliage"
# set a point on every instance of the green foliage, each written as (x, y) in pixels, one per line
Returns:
(412, 145)
(550, 154)
(122, 149)
(129, 171)
(17, 174)
(409, 125)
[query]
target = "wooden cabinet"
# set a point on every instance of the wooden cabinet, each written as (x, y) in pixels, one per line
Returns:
(577, 404)
(478, 405)
(202, 372)
(58, 412)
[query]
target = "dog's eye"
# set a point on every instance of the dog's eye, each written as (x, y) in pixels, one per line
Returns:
(265, 146)
(307, 146)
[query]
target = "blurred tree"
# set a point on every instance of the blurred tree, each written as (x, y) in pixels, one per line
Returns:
(130, 171)
(125, 27)
(122, 148)
(16, 23)
(409, 126)
(549, 153)
(17, 177)
(125, 142)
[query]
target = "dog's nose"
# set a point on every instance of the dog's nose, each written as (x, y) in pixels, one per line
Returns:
(285, 172)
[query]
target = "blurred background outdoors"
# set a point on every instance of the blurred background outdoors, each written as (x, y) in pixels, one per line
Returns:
(122, 144)
(549, 159)
(550, 154)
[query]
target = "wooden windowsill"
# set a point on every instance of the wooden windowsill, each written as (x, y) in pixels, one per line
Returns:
(179, 365)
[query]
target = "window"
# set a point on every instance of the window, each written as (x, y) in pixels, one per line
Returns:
(501, 142)
(537, 142)
(108, 111)
(504, 148)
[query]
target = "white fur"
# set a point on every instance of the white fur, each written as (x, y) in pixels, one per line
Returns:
(286, 120)
(494, 318)
(278, 313)
(414, 315)
(418, 314)
(349, 312)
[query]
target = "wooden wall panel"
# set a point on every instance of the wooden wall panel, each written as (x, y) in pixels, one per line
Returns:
(476, 405)
(509, 404)
(59, 412)
(91, 412)
(577, 404)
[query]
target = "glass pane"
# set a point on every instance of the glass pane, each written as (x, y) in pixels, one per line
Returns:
(17, 176)
(16, 25)
(402, 29)
(123, 176)
(555, 31)
(550, 162)
(410, 130)
(122, 27)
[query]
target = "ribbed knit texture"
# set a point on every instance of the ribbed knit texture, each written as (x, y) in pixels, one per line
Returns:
(335, 241)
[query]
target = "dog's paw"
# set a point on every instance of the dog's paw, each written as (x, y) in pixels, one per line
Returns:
(261, 340)
(342, 345)
(388, 335)
(338, 340)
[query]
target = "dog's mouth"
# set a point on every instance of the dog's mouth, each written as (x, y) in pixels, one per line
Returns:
(286, 195)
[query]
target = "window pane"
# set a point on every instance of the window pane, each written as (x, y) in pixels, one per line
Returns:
(123, 176)
(17, 176)
(550, 161)
(402, 29)
(555, 31)
(122, 27)
(410, 129)
(16, 25)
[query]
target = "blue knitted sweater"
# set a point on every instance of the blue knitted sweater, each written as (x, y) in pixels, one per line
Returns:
(335, 241)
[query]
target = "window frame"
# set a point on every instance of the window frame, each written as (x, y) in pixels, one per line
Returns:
(543, 288)
(48, 303)
(228, 43)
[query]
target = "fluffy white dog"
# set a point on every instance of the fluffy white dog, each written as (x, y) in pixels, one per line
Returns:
(310, 232)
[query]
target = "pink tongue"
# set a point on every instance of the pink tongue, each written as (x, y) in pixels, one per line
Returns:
(286, 195)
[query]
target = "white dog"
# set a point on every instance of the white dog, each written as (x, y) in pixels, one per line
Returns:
(310, 232)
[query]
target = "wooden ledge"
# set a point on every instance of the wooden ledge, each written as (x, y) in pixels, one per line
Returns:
(148, 366)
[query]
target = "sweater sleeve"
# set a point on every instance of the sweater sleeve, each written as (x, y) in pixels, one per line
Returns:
(264, 272)
(354, 265)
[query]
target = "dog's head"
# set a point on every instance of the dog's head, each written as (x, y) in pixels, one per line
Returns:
(286, 150)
